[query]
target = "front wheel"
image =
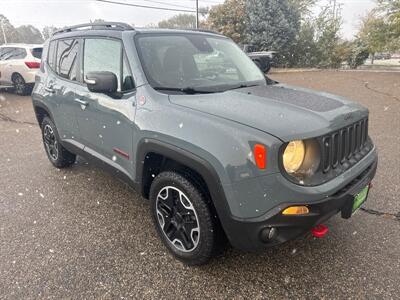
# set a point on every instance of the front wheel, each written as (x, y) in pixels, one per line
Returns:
(183, 218)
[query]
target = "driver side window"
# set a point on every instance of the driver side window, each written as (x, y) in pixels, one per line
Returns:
(107, 55)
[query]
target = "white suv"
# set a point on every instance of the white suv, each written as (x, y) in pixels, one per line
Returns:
(18, 66)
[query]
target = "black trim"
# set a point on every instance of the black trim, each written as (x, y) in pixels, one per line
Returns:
(327, 170)
(123, 52)
(192, 161)
(96, 26)
(247, 233)
(41, 105)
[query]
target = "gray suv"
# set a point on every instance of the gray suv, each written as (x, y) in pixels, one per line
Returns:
(222, 152)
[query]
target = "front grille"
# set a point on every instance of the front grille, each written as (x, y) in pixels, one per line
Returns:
(344, 145)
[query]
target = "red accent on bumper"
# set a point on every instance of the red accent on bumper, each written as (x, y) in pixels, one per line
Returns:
(319, 231)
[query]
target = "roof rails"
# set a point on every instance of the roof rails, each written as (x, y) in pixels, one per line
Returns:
(204, 30)
(96, 25)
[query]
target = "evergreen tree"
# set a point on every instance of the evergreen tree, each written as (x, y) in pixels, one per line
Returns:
(272, 25)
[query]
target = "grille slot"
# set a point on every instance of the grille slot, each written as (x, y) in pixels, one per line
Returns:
(342, 145)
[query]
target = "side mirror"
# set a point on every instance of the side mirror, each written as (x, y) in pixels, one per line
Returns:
(102, 82)
(263, 63)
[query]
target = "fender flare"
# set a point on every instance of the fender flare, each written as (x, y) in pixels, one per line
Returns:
(38, 104)
(192, 161)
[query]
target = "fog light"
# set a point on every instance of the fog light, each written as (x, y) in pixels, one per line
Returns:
(296, 210)
(268, 234)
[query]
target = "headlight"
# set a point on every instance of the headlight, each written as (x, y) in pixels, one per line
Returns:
(293, 156)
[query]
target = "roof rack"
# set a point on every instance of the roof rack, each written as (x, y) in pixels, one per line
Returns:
(204, 30)
(96, 25)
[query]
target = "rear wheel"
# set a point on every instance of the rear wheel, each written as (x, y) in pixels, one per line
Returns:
(183, 219)
(57, 154)
(20, 86)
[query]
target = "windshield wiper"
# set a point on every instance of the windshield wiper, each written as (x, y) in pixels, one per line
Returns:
(242, 86)
(186, 90)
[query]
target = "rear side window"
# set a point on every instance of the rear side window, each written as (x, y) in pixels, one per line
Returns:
(107, 55)
(18, 53)
(37, 52)
(5, 52)
(51, 55)
(67, 58)
(13, 53)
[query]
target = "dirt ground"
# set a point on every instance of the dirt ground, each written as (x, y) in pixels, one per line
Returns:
(79, 233)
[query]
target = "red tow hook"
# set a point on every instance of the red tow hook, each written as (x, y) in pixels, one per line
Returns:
(319, 231)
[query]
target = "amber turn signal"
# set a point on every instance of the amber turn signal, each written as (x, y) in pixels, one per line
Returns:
(296, 210)
(260, 156)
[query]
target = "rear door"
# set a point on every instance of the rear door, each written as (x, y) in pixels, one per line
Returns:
(60, 85)
(6, 55)
(106, 122)
(13, 63)
(3, 52)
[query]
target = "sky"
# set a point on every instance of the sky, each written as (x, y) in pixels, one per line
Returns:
(69, 12)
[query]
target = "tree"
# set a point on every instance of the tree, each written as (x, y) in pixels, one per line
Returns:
(9, 31)
(374, 33)
(97, 21)
(391, 11)
(179, 21)
(327, 39)
(29, 34)
(357, 54)
(272, 25)
(229, 19)
(304, 52)
(48, 31)
(304, 7)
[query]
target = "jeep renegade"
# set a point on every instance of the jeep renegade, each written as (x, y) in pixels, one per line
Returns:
(188, 120)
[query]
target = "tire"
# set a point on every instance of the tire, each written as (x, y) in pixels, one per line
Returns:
(57, 154)
(20, 86)
(179, 207)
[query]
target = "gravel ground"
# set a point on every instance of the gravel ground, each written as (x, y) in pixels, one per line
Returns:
(79, 233)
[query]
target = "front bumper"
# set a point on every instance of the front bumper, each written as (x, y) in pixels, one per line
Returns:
(247, 234)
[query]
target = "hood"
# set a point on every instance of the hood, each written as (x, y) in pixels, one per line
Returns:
(283, 111)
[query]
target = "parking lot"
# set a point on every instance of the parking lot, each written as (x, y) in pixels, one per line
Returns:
(79, 233)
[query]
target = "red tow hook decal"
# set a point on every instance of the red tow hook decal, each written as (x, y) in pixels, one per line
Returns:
(319, 231)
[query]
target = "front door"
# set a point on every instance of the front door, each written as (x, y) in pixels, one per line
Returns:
(106, 122)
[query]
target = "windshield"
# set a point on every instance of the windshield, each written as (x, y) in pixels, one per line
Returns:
(197, 62)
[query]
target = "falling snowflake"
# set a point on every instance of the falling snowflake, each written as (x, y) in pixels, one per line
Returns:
(180, 125)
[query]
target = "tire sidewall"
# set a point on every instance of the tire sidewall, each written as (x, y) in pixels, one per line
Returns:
(205, 246)
(48, 121)
(22, 92)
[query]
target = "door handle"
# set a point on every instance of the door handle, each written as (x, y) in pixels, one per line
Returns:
(49, 89)
(81, 102)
